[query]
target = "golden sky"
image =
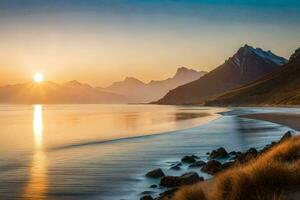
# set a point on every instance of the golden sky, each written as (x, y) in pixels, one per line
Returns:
(99, 45)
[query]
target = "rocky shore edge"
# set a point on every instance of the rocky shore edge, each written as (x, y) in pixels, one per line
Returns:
(212, 167)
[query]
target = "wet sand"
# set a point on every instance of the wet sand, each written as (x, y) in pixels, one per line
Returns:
(287, 119)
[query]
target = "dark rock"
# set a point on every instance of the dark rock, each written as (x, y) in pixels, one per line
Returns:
(232, 153)
(251, 154)
(219, 153)
(188, 159)
(252, 151)
(157, 173)
(184, 179)
(153, 186)
(190, 178)
(147, 197)
(286, 136)
(198, 163)
(247, 156)
(170, 181)
(212, 167)
(176, 166)
(147, 192)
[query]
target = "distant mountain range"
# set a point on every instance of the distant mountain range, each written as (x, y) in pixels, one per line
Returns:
(52, 93)
(130, 90)
(244, 67)
(137, 91)
(282, 87)
(251, 76)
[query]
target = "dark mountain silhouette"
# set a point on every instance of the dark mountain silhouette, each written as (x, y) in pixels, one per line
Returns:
(140, 92)
(50, 92)
(279, 88)
(247, 65)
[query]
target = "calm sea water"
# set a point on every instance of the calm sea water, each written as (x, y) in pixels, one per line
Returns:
(103, 151)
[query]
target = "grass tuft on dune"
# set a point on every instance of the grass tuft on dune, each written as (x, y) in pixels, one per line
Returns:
(266, 178)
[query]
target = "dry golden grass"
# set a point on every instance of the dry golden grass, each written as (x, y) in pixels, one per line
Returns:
(193, 192)
(265, 178)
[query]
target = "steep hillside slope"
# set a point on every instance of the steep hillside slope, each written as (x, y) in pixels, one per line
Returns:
(247, 65)
(279, 88)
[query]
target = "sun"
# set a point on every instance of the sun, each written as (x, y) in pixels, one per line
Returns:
(38, 77)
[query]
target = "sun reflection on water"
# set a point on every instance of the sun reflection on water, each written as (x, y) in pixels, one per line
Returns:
(37, 184)
(38, 126)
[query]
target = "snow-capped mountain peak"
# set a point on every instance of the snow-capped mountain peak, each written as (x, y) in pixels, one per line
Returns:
(270, 56)
(239, 58)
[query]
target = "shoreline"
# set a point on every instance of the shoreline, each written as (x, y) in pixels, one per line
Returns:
(286, 119)
(219, 162)
(290, 120)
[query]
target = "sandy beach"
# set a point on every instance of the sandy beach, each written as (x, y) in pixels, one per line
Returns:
(287, 119)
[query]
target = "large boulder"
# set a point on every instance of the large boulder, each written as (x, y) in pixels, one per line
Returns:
(157, 173)
(189, 159)
(219, 153)
(212, 167)
(190, 178)
(184, 179)
(170, 181)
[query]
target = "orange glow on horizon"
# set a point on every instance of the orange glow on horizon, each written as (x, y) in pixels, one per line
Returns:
(38, 77)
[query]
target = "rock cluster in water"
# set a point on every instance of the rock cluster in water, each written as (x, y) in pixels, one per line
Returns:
(212, 167)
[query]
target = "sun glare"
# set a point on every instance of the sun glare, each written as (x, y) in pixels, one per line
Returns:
(38, 77)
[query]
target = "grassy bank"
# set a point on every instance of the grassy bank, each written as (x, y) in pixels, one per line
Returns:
(268, 177)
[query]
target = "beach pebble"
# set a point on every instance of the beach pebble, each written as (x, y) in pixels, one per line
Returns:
(157, 173)
(212, 167)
